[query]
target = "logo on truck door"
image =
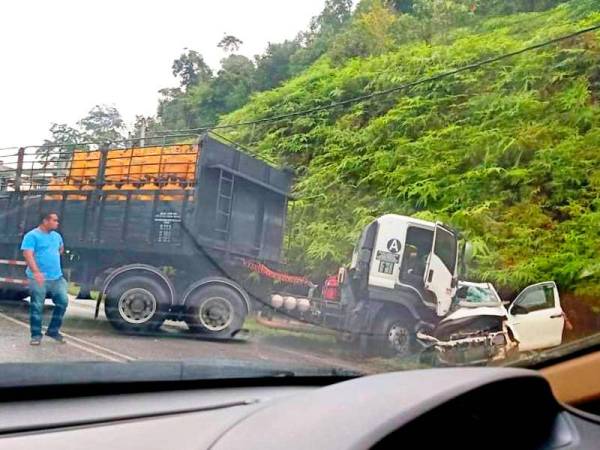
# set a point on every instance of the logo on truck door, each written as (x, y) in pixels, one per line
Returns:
(393, 245)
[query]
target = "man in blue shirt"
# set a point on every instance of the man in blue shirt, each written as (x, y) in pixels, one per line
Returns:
(42, 248)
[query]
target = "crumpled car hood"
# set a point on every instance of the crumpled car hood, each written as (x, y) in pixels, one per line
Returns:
(461, 313)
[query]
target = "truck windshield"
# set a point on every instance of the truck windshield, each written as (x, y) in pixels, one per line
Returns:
(445, 248)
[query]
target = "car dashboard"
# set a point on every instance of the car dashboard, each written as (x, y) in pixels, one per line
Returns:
(479, 408)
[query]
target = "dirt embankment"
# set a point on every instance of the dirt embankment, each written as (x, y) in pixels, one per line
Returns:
(581, 314)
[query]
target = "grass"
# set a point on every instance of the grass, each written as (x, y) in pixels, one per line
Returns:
(74, 288)
(327, 345)
(254, 327)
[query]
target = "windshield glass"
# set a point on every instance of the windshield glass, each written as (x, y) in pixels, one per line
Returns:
(445, 248)
(299, 187)
(477, 294)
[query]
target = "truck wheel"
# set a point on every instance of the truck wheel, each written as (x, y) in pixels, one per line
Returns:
(216, 311)
(136, 304)
(397, 336)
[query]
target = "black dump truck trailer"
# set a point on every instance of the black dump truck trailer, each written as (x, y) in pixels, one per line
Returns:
(163, 232)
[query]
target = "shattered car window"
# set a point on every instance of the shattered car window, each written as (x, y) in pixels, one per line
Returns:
(476, 294)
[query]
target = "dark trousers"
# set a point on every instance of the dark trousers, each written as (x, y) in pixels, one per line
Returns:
(57, 291)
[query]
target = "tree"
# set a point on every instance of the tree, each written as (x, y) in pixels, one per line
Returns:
(403, 6)
(438, 16)
(56, 151)
(233, 84)
(202, 97)
(191, 69)
(230, 43)
(334, 16)
(274, 66)
(102, 125)
(172, 110)
(323, 29)
(491, 7)
(371, 33)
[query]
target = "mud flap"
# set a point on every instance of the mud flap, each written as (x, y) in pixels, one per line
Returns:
(360, 318)
(98, 301)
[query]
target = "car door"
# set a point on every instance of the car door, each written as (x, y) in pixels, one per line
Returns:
(441, 269)
(537, 317)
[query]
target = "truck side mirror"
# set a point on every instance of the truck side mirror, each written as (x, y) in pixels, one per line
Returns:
(364, 258)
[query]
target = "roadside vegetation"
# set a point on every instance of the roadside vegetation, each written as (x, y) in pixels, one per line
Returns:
(507, 153)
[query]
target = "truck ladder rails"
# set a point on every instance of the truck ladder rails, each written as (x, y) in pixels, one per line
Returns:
(224, 203)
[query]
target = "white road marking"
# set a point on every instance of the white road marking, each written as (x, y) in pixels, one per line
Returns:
(319, 359)
(99, 347)
(107, 354)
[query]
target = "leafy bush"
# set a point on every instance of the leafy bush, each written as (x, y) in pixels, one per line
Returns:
(508, 153)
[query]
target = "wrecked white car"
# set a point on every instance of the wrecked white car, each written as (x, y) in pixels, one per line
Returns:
(480, 329)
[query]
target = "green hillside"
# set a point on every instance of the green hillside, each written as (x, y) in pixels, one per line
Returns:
(507, 153)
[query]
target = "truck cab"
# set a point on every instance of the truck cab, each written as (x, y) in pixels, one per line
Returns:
(402, 276)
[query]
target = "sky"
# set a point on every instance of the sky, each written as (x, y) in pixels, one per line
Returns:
(60, 58)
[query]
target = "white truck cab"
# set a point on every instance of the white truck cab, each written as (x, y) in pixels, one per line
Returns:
(412, 254)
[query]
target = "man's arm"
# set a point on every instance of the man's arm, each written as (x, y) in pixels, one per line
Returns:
(28, 246)
(37, 274)
(61, 249)
(28, 255)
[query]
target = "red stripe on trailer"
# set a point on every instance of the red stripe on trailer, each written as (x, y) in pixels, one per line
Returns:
(13, 262)
(275, 275)
(14, 280)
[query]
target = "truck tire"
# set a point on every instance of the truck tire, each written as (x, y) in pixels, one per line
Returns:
(395, 336)
(215, 311)
(136, 304)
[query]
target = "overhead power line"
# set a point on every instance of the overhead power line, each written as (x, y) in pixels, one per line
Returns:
(175, 133)
(439, 76)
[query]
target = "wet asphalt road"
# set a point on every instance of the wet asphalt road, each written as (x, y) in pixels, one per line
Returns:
(96, 340)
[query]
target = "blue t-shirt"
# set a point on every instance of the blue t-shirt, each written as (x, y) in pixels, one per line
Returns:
(46, 251)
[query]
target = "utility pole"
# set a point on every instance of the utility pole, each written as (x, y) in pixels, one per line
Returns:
(143, 133)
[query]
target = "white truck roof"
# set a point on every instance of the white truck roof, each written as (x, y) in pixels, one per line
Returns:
(406, 219)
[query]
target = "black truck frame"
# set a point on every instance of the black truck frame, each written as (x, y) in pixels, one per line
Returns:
(154, 254)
